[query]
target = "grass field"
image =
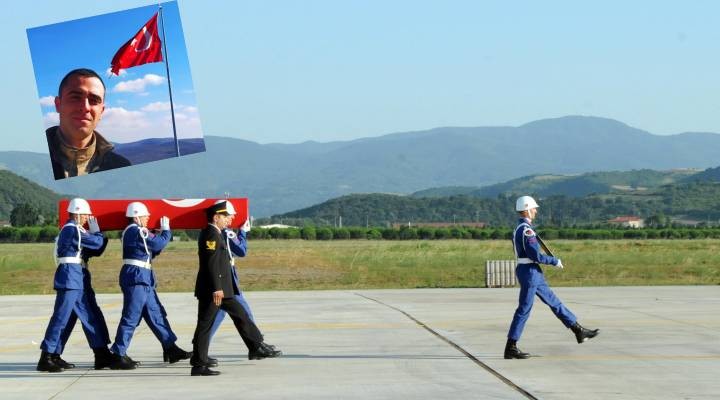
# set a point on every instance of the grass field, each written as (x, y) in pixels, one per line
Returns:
(298, 264)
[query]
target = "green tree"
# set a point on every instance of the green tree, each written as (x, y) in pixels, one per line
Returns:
(25, 215)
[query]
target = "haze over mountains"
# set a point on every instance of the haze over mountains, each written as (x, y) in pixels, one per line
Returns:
(285, 177)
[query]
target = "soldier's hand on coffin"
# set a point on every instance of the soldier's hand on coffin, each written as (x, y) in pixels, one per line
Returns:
(93, 224)
(165, 223)
(246, 226)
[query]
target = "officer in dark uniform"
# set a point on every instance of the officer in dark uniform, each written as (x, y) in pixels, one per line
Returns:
(214, 290)
(532, 281)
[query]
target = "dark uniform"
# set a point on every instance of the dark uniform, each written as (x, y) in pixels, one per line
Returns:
(214, 274)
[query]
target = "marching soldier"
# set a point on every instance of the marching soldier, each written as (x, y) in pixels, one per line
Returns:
(75, 298)
(532, 281)
(237, 246)
(103, 357)
(214, 290)
(138, 284)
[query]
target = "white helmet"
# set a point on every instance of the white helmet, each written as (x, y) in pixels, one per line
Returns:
(136, 209)
(525, 203)
(228, 206)
(79, 206)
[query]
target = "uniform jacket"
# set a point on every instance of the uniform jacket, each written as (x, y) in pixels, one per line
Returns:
(215, 271)
(137, 248)
(103, 159)
(71, 241)
(526, 244)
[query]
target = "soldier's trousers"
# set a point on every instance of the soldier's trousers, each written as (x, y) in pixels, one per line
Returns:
(142, 302)
(71, 305)
(207, 312)
(532, 283)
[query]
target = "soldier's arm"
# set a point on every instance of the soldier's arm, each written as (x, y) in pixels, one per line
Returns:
(158, 242)
(92, 241)
(532, 248)
(88, 252)
(238, 244)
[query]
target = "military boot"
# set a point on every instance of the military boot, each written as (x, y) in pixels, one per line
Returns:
(174, 354)
(512, 351)
(62, 363)
(46, 363)
(103, 358)
(122, 362)
(264, 351)
(583, 334)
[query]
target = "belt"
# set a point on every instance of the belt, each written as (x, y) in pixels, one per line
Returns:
(525, 260)
(69, 260)
(137, 263)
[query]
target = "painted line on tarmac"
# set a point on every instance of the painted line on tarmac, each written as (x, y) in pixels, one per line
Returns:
(458, 348)
(69, 384)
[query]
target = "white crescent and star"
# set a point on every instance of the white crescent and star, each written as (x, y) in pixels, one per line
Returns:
(185, 203)
(148, 41)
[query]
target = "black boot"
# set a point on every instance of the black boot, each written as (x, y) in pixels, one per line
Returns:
(46, 363)
(583, 334)
(203, 371)
(512, 351)
(211, 362)
(103, 358)
(264, 351)
(174, 354)
(122, 362)
(62, 363)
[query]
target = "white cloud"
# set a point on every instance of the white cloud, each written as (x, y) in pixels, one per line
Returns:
(51, 119)
(122, 125)
(138, 85)
(109, 73)
(157, 106)
(47, 101)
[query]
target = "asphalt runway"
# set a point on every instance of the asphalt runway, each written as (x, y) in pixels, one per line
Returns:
(655, 343)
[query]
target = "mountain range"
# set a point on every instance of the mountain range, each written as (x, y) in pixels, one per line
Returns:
(283, 177)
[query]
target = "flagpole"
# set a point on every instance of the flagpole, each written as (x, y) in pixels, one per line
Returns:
(167, 68)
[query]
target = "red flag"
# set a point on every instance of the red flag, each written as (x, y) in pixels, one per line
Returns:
(183, 213)
(143, 48)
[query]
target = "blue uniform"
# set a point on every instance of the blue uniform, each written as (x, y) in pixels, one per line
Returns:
(137, 281)
(237, 243)
(532, 280)
(74, 298)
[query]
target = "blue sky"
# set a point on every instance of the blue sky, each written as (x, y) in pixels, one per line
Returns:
(290, 71)
(137, 102)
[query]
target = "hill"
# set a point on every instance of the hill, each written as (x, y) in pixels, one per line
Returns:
(576, 185)
(16, 190)
(696, 201)
(282, 177)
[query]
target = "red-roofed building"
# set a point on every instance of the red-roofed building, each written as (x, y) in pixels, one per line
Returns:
(628, 221)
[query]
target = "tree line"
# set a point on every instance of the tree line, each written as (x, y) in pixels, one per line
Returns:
(39, 234)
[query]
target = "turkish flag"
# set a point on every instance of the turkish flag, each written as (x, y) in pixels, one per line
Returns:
(183, 213)
(143, 48)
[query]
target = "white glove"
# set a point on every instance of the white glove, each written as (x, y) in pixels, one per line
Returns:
(559, 265)
(93, 224)
(165, 223)
(246, 227)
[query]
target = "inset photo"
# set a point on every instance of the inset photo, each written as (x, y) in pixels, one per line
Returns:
(115, 90)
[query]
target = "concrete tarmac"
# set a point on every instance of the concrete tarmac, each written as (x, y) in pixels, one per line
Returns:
(655, 343)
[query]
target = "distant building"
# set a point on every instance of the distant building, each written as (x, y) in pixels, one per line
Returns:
(5, 224)
(280, 226)
(628, 221)
(440, 224)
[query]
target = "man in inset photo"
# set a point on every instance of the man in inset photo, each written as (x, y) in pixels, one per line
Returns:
(76, 148)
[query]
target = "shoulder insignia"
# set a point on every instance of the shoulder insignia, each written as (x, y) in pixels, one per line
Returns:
(210, 244)
(529, 232)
